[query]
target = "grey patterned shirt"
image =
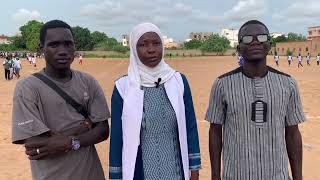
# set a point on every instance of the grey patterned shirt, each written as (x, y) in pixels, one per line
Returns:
(254, 113)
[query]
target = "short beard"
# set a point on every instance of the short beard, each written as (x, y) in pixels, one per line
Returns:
(254, 60)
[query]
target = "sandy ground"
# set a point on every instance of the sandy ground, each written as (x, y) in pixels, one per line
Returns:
(201, 72)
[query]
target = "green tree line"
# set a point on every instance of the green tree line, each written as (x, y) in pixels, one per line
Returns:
(84, 39)
(289, 38)
(214, 43)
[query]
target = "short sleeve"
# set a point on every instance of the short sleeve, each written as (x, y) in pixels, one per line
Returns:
(294, 113)
(98, 107)
(216, 112)
(27, 121)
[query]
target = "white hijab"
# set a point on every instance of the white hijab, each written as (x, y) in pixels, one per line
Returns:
(140, 74)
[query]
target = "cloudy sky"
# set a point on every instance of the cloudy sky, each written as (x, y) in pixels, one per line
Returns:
(176, 18)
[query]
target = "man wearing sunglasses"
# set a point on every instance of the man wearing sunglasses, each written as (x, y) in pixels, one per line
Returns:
(259, 109)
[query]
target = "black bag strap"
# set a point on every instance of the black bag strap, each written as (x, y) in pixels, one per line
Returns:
(80, 108)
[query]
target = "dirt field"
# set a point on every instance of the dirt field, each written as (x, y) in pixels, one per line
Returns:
(201, 72)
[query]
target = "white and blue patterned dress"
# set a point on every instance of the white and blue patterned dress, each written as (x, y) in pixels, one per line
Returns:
(159, 137)
(158, 155)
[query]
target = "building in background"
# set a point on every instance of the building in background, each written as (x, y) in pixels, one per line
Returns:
(169, 42)
(125, 40)
(4, 39)
(200, 35)
(311, 45)
(313, 32)
(275, 34)
(231, 35)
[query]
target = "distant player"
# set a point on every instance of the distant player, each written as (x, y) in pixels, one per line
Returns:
(308, 59)
(29, 59)
(240, 60)
(80, 59)
(318, 59)
(17, 67)
(276, 58)
(289, 59)
(34, 61)
(299, 57)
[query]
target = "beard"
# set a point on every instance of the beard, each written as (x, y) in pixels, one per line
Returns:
(254, 60)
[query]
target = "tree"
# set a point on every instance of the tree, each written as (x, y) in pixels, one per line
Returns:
(107, 45)
(296, 37)
(82, 38)
(120, 48)
(215, 43)
(278, 39)
(98, 37)
(18, 42)
(30, 35)
(7, 47)
(193, 44)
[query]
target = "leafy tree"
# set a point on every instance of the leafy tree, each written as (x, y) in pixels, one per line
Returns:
(193, 44)
(295, 37)
(215, 43)
(107, 45)
(98, 37)
(18, 42)
(7, 47)
(278, 39)
(30, 35)
(82, 38)
(120, 48)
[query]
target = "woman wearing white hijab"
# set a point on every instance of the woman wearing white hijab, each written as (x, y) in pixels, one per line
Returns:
(153, 128)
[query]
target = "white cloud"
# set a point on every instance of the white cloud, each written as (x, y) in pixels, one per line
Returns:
(23, 15)
(306, 11)
(244, 10)
(160, 12)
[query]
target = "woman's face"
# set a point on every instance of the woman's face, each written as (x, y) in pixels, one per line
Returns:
(149, 49)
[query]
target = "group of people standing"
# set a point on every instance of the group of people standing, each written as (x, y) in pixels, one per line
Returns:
(12, 66)
(32, 59)
(59, 114)
(299, 59)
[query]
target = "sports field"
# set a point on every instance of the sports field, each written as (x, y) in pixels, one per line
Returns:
(200, 72)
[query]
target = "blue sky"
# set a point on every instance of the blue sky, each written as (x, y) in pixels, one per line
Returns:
(176, 18)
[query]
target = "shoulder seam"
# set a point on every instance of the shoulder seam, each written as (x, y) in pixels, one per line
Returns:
(235, 71)
(278, 72)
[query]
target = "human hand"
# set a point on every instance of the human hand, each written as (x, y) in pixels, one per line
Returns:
(55, 144)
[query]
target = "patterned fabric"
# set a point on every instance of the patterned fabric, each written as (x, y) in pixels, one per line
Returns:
(254, 113)
(159, 137)
(116, 136)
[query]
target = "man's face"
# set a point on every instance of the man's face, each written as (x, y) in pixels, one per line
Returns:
(59, 48)
(254, 51)
(149, 49)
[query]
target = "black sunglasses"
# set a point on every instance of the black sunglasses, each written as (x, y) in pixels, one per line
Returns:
(247, 39)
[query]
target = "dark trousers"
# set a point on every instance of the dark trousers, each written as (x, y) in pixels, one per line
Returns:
(7, 74)
(299, 64)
